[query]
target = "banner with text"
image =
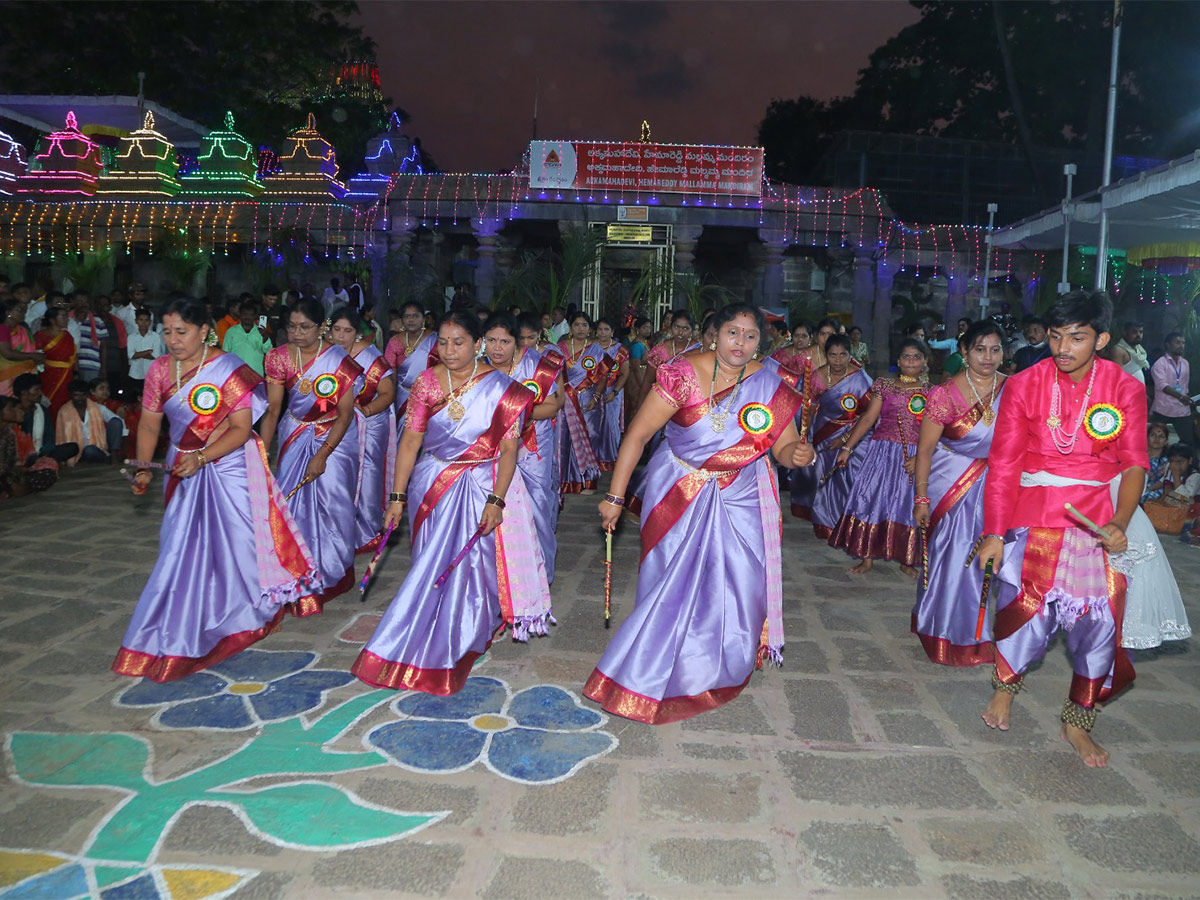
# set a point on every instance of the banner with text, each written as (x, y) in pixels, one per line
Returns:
(645, 168)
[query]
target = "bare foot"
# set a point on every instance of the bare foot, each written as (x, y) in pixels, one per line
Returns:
(999, 712)
(863, 567)
(909, 572)
(1093, 755)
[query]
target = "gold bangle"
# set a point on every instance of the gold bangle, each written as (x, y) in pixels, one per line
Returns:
(200, 456)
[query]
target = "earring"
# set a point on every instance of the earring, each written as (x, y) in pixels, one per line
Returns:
(712, 346)
(211, 338)
(755, 356)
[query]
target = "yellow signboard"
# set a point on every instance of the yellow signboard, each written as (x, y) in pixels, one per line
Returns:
(631, 234)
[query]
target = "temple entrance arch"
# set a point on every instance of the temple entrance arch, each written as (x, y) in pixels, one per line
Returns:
(633, 261)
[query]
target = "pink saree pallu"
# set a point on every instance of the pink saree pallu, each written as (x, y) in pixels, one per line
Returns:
(377, 451)
(325, 509)
(431, 634)
(231, 558)
(711, 570)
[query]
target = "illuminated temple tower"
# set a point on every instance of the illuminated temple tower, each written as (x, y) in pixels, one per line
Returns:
(70, 164)
(145, 165)
(228, 167)
(308, 168)
(12, 164)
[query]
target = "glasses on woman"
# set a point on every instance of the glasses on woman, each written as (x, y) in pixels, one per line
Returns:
(300, 326)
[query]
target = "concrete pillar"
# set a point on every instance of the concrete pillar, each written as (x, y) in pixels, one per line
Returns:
(486, 233)
(684, 239)
(957, 281)
(862, 300)
(882, 319)
(575, 291)
(771, 289)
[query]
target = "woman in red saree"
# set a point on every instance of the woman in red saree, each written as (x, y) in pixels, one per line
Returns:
(59, 348)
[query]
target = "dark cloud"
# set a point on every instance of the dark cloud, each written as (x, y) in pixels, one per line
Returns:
(671, 79)
(626, 16)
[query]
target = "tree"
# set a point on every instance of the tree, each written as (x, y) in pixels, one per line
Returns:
(268, 62)
(945, 75)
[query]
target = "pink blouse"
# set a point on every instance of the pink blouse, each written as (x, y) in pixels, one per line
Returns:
(160, 384)
(427, 398)
(677, 384)
(899, 420)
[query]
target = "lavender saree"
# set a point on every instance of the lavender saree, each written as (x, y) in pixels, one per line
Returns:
(610, 416)
(945, 616)
(430, 636)
(325, 508)
(230, 556)
(537, 454)
(423, 355)
(580, 466)
(838, 407)
(377, 450)
(711, 570)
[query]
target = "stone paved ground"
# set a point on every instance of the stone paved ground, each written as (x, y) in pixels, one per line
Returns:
(859, 770)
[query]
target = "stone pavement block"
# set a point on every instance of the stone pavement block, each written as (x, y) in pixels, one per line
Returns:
(836, 617)
(1112, 730)
(712, 751)
(712, 862)
(888, 693)
(84, 661)
(699, 797)
(265, 886)
(1057, 777)
(1176, 773)
(742, 715)
(1167, 721)
(921, 781)
(412, 867)
(851, 854)
(212, 830)
(396, 791)
(912, 729)
(965, 701)
(865, 656)
(563, 670)
(636, 741)
(522, 878)
(1140, 843)
(48, 821)
(820, 710)
(964, 887)
(804, 657)
(982, 841)
(578, 805)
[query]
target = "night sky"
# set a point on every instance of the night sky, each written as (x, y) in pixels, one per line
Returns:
(700, 72)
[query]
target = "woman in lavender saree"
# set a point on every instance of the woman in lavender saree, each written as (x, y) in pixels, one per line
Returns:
(373, 394)
(318, 443)
(230, 556)
(711, 568)
(476, 564)
(956, 435)
(542, 375)
(583, 380)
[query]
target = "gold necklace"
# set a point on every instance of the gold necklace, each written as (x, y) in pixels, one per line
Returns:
(716, 415)
(988, 414)
(407, 348)
(909, 379)
(454, 408)
(179, 374)
(304, 386)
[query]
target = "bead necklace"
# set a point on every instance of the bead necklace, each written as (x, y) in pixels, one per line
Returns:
(1066, 444)
(304, 386)
(179, 374)
(420, 337)
(454, 408)
(715, 413)
(988, 413)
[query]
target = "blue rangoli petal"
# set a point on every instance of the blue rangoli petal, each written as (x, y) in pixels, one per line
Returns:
(547, 706)
(429, 746)
(525, 754)
(264, 665)
(151, 693)
(224, 711)
(297, 693)
(478, 697)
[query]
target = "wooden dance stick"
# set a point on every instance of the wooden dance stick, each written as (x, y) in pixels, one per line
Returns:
(607, 577)
(462, 554)
(829, 474)
(903, 442)
(974, 550)
(1091, 526)
(924, 532)
(292, 493)
(983, 601)
(129, 476)
(362, 588)
(806, 401)
(139, 464)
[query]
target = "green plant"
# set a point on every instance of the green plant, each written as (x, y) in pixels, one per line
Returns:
(577, 260)
(87, 270)
(182, 257)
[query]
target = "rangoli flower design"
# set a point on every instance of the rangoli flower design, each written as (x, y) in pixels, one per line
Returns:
(539, 735)
(246, 691)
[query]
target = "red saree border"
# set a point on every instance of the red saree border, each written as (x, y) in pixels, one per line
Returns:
(544, 376)
(1042, 546)
(314, 604)
(372, 375)
(398, 676)
(958, 490)
(628, 704)
(877, 540)
(944, 653)
(171, 668)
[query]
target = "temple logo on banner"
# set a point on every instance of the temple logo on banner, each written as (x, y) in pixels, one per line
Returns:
(646, 168)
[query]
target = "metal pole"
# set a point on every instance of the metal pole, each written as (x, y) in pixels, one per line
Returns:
(1109, 127)
(1064, 286)
(987, 264)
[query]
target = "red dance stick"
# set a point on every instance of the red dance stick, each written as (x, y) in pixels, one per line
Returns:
(462, 554)
(983, 601)
(375, 559)
(607, 577)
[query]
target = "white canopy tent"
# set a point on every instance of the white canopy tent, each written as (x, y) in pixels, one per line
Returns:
(1159, 206)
